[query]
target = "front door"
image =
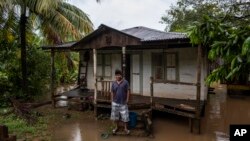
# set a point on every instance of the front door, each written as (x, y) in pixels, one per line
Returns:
(135, 74)
(128, 68)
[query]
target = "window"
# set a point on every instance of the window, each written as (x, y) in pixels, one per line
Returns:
(158, 67)
(164, 66)
(104, 65)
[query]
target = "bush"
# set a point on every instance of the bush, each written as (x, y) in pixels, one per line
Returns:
(10, 72)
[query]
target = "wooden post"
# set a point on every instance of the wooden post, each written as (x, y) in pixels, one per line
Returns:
(95, 83)
(198, 86)
(151, 91)
(79, 69)
(3, 132)
(52, 87)
(124, 61)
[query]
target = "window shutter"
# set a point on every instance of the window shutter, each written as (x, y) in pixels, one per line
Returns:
(107, 65)
(99, 65)
(157, 64)
(171, 66)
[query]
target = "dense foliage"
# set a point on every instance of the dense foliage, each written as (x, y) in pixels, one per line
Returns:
(48, 22)
(221, 26)
(182, 15)
(10, 74)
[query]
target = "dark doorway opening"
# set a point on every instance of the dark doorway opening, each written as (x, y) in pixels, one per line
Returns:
(127, 69)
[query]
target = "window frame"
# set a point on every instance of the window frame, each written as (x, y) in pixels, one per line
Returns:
(103, 64)
(165, 65)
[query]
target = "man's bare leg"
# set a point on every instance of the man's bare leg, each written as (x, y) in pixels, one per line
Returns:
(116, 123)
(126, 127)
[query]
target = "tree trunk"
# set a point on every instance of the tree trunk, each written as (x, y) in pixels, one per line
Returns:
(23, 21)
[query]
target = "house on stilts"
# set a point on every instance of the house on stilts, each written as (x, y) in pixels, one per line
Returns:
(165, 71)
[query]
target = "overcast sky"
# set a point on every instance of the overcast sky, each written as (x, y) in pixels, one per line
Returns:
(121, 14)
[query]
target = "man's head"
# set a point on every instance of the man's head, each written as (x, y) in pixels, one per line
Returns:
(118, 75)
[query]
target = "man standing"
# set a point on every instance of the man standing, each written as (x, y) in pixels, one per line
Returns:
(119, 97)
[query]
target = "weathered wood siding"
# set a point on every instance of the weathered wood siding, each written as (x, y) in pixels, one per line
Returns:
(187, 65)
(109, 38)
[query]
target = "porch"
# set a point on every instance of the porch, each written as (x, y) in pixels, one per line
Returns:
(138, 103)
(181, 107)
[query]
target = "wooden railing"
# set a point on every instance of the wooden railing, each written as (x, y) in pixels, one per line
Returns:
(105, 91)
(195, 116)
(175, 82)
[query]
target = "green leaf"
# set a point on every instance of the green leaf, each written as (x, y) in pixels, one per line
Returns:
(218, 51)
(246, 47)
(233, 72)
(236, 39)
(239, 59)
(233, 63)
(228, 52)
(212, 54)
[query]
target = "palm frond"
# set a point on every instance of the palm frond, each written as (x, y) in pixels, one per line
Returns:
(50, 33)
(78, 18)
(67, 21)
(42, 6)
(6, 4)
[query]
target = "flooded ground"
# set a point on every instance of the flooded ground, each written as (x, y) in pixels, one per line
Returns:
(221, 111)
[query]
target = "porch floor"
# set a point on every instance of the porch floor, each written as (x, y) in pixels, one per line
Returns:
(182, 107)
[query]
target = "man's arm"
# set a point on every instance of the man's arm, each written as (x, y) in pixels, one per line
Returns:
(112, 95)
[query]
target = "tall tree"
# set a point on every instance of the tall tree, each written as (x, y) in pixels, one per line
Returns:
(227, 38)
(58, 20)
(181, 15)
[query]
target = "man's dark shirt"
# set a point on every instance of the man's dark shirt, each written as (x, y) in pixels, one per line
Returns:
(120, 91)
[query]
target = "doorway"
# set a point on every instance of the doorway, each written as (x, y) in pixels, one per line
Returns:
(135, 74)
(127, 68)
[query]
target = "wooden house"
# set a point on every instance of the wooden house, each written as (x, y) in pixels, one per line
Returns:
(162, 67)
(168, 57)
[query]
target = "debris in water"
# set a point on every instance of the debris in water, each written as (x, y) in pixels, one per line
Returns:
(66, 116)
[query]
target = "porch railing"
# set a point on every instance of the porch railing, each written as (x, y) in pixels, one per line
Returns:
(104, 93)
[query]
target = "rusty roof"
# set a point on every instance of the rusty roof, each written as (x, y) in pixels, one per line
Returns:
(148, 34)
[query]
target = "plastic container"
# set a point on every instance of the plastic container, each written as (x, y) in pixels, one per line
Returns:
(132, 119)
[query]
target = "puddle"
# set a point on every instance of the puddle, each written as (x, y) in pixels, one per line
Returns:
(221, 111)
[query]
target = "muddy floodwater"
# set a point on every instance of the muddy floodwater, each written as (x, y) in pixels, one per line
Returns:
(221, 111)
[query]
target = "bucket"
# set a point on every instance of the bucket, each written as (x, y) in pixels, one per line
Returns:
(132, 119)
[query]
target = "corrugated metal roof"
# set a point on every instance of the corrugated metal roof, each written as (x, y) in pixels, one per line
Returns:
(148, 34)
(66, 45)
(144, 34)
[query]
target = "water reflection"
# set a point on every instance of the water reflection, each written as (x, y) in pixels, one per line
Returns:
(77, 133)
(220, 136)
(62, 103)
(61, 89)
(221, 111)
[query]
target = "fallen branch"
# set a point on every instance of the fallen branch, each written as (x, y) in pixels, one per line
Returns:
(23, 111)
(36, 105)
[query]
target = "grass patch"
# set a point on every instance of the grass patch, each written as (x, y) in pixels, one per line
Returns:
(23, 130)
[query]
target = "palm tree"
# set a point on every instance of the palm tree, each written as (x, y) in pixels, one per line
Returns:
(57, 20)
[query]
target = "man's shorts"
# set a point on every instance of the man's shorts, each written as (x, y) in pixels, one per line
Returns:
(119, 109)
